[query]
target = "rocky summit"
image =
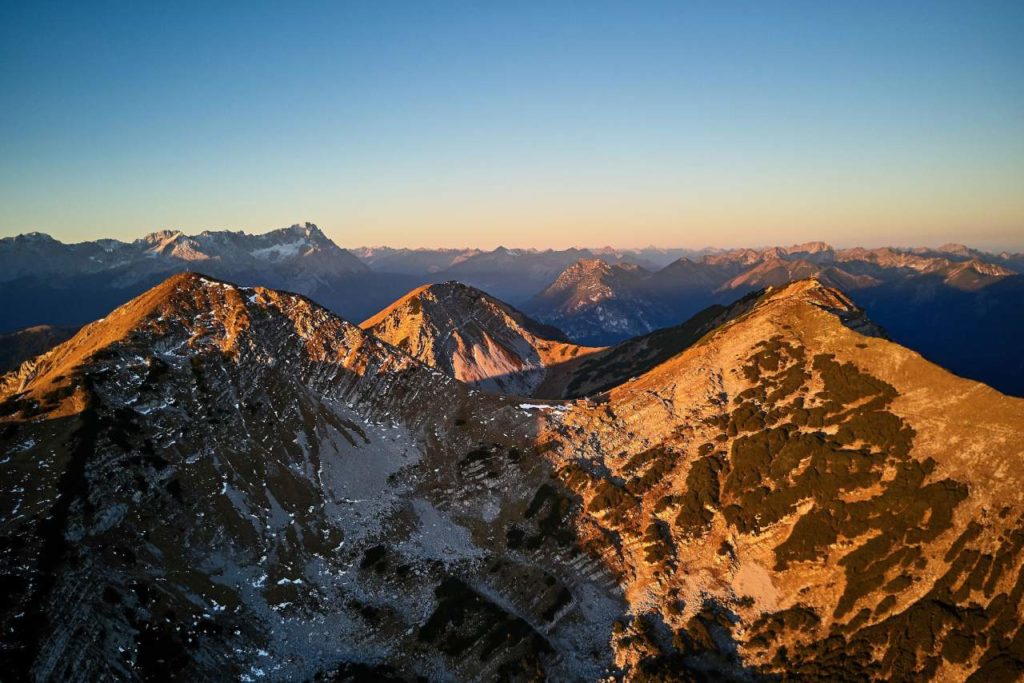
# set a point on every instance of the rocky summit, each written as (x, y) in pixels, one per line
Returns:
(216, 482)
(475, 338)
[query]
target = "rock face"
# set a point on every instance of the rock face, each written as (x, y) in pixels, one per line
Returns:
(218, 482)
(591, 298)
(474, 338)
(798, 499)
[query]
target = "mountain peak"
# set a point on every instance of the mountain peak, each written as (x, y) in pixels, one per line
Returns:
(824, 297)
(306, 229)
(183, 314)
(584, 269)
(955, 248)
(473, 337)
(592, 264)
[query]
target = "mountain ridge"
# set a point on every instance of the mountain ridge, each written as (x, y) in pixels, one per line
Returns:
(223, 475)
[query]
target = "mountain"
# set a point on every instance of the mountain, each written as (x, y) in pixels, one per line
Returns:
(607, 368)
(412, 261)
(592, 300)
(474, 338)
(974, 275)
(217, 481)
(44, 281)
(21, 345)
(913, 293)
(589, 374)
(957, 306)
(775, 272)
(660, 257)
(36, 254)
(790, 497)
(546, 263)
(973, 332)
(513, 274)
(298, 250)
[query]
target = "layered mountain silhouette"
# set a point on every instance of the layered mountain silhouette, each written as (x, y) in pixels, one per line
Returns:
(299, 249)
(217, 481)
(592, 300)
(608, 305)
(958, 306)
(43, 281)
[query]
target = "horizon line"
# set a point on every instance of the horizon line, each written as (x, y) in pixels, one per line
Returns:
(708, 247)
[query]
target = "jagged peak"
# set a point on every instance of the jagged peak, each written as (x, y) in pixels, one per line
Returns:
(306, 229)
(158, 236)
(586, 267)
(591, 264)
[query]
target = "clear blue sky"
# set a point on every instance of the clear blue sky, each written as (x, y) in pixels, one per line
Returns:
(526, 124)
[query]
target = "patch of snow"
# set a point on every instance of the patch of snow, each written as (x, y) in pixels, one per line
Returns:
(280, 251)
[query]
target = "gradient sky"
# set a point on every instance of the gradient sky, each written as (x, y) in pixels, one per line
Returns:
(527, 124)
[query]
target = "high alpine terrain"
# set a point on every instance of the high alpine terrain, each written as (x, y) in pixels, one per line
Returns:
(223, 482)
(475, 338)
(44, 281)
(958, 306)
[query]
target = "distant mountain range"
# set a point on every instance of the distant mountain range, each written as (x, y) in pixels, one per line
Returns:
(301, 251)
(44, 281)
(604, 303)
(958, 306)
(221, 482)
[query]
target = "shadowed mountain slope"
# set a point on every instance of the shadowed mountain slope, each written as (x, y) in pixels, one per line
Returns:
(217, 482)
(221, 481)
(592, 299)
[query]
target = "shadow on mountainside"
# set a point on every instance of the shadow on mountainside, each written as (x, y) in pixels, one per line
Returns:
(975, 334)
(376, 501)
